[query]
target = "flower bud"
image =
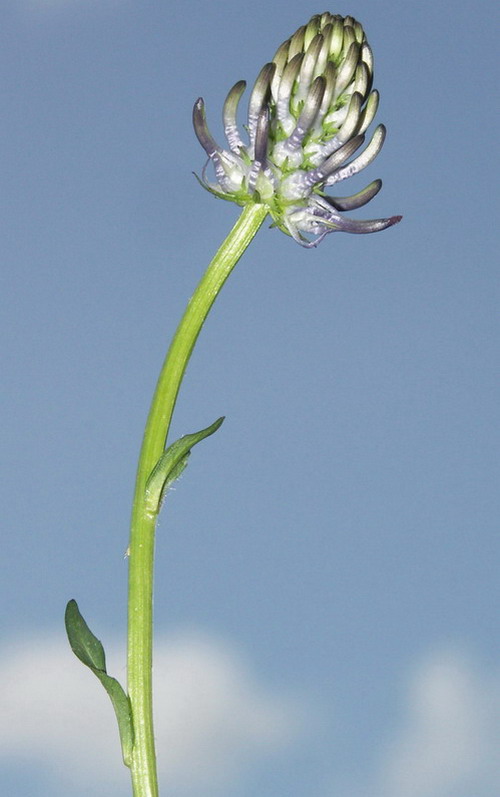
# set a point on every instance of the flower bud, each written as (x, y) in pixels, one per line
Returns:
(307, 116)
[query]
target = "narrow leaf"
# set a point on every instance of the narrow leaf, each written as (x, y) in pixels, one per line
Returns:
(171, 464)
(123, 711)
(90, 651)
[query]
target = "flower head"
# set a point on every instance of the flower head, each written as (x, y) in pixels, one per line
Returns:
(307, 116)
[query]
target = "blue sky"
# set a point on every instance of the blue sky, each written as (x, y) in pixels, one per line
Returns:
(326, 583)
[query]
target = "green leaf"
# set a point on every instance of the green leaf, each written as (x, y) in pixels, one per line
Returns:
(90, 651)
(170, 466)
(84, 644)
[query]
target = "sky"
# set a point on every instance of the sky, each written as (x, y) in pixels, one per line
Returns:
(326, 571)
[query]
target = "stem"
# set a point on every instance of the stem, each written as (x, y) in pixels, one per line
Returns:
(142, 533)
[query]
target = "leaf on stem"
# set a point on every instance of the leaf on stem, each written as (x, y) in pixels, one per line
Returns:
(170, 466)
(90, 651)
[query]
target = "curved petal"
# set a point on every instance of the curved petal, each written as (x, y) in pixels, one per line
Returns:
(296, 42)
(259, 96)
(306, 76)
(355, 200)
(347, 69)
(363, 160)
(308, 115)
(361, 79)
(352, 120)
(368, 225)
(201, 129)
(262, 137)
(283, 110)
(229, 116)
(280, 60)
(332, 163)
(369, 111)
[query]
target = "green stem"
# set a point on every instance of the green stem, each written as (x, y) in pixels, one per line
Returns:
(142, 534)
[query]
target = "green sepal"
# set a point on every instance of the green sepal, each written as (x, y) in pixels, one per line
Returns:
(170, 466)
(218, 194)
(90, 651)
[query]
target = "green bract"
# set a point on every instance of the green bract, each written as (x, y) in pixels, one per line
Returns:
(307, 116)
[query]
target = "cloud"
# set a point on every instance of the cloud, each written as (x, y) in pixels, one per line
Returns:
(448, 743)
(447, 739)
(214, 718)
(216, 722)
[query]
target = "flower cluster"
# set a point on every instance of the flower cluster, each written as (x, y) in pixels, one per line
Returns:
(307, 116)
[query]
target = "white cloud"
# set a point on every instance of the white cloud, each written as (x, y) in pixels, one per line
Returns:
(221, 718)
(447, 740)
(214, 719)
(448, 743)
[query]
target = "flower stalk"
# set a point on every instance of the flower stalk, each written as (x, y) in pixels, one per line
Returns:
(142, 534)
